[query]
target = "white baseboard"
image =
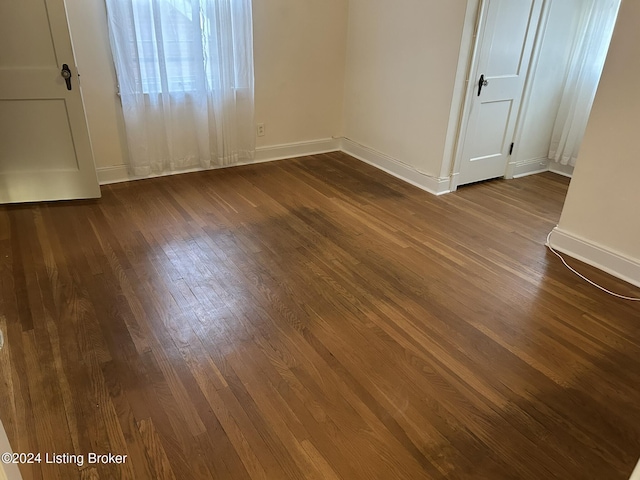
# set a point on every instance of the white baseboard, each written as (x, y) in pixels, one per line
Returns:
(300, 149)
(120, 173)
(407, 173)
(530, 167)
(614, 263)
(114, 174)
(565, 170)
(436, 186)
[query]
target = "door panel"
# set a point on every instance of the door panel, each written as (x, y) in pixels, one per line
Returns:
(46, 153)
(503, 52)
(507, 41)
(22, 144)
(490, 137)
(20, 46)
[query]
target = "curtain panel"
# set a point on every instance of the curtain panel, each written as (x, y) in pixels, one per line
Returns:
(586, 64)
(185, 75)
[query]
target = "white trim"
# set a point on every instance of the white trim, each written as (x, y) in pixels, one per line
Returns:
(528, 167)
(614, 263)
(409, 174)
(114, 174)
(398, 169)
(120, 173)
(565, 170)
(299, 149)
(11, 470)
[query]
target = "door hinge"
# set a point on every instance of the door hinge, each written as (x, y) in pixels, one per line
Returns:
(511, 149)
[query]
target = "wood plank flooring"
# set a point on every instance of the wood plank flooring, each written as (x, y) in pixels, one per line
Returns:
(312, 319)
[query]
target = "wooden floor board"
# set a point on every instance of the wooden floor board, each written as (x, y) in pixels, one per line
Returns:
(313, 318)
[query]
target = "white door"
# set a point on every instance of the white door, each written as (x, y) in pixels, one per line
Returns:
(507, 32)
(45, 152)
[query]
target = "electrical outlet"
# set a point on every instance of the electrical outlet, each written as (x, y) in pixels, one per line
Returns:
(260, 130)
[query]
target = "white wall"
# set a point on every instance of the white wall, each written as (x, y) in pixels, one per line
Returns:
(545, 88)
(300, 49)
(602, 203)
(401, 67)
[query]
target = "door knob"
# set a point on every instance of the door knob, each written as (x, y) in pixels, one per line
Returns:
(482, 83)
(66, 74)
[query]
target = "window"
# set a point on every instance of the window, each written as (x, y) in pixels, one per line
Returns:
(175, 48)
(179, 45)
(185, 71)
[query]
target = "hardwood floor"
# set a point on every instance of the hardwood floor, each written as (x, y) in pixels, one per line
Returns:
(314, 319)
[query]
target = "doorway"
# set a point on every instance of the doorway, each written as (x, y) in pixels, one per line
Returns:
(505, 130)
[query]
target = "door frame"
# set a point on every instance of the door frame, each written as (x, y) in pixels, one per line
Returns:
(463, 94)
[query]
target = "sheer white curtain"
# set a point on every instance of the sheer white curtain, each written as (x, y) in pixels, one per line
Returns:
(587, 60)
(185, 71)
